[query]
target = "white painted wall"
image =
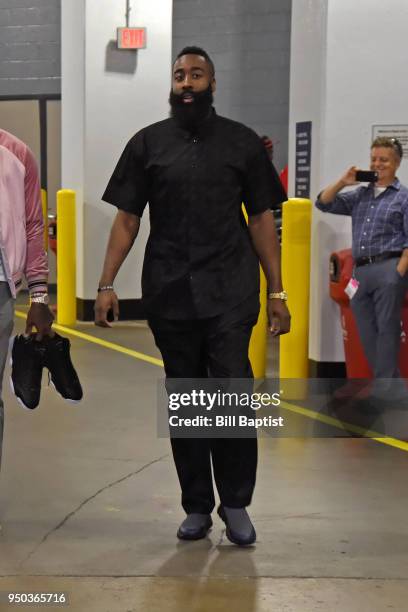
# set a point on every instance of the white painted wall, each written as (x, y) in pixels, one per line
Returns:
(367, 58)
(101, 111)
(73, 115)
(348, 62)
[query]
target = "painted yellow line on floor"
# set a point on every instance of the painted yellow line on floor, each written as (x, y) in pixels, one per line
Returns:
(328, 420)
(110, 345)
(306, 412)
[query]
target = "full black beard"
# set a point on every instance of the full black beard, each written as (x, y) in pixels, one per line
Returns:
(190, 116)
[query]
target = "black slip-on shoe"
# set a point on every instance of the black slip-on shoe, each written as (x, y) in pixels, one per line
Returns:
(27, 361)
(239, 529)
(194, 527)
(62, 372)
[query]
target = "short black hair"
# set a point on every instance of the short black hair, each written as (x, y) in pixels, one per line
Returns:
(194, 50)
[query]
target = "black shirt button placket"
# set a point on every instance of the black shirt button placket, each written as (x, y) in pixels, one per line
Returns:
(194, 156)
(194, 186)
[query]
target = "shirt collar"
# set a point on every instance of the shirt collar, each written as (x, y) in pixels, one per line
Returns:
(394, 185)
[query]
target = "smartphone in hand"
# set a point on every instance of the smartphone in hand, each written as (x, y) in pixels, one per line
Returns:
(366, 176)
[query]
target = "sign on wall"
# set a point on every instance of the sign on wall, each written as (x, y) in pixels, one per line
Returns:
(131, 38)
(400, 132)
(303, 158)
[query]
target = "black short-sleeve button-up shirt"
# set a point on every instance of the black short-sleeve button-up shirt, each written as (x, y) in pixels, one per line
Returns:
(199, 259)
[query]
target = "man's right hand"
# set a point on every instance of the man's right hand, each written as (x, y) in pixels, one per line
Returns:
(106, 301)
(349, 177)
(329, 193)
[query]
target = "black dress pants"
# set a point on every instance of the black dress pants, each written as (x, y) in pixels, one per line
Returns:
(216, 347)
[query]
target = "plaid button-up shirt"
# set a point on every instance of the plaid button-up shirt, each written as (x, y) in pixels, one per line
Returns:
(379, 224)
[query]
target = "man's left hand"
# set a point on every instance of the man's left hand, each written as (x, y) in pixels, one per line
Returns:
(40, 317)
(401, 269)
(278, 317)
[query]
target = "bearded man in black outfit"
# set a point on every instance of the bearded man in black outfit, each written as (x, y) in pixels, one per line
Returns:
(200, 280)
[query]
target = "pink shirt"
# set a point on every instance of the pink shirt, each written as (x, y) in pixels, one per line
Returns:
(21, 219)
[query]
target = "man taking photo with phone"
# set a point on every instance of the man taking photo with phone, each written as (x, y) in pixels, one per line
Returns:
(379, 213)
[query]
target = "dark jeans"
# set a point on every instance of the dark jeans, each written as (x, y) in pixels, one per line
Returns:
(216, 347)
(6, 327)
(377, 307)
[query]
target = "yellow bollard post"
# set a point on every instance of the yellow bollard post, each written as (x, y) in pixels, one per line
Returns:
(66, 258)
(296, 232)
(45, 217)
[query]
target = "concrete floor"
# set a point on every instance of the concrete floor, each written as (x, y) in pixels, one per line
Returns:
(89, 505)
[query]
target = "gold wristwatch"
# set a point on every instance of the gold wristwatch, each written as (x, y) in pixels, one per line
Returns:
(281, 295)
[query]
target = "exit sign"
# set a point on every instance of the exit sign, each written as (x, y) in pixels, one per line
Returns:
(131, 38)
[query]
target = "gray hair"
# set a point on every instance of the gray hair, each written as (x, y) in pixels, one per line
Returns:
(389, 143)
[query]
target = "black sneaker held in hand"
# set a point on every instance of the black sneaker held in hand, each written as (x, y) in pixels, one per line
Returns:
(27, 360)
(58, 361)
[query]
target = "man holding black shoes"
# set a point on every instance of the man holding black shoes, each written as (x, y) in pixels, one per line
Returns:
(21, 246)
(22, 255)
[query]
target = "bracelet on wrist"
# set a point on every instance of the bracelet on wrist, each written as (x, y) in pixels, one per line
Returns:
(40, 298)
(105, 288)
(277, 295)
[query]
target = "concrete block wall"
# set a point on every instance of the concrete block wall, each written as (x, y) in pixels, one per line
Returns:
(30, 47)
(249, 42)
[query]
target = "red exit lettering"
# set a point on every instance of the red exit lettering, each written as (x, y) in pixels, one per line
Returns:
(131, 38)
